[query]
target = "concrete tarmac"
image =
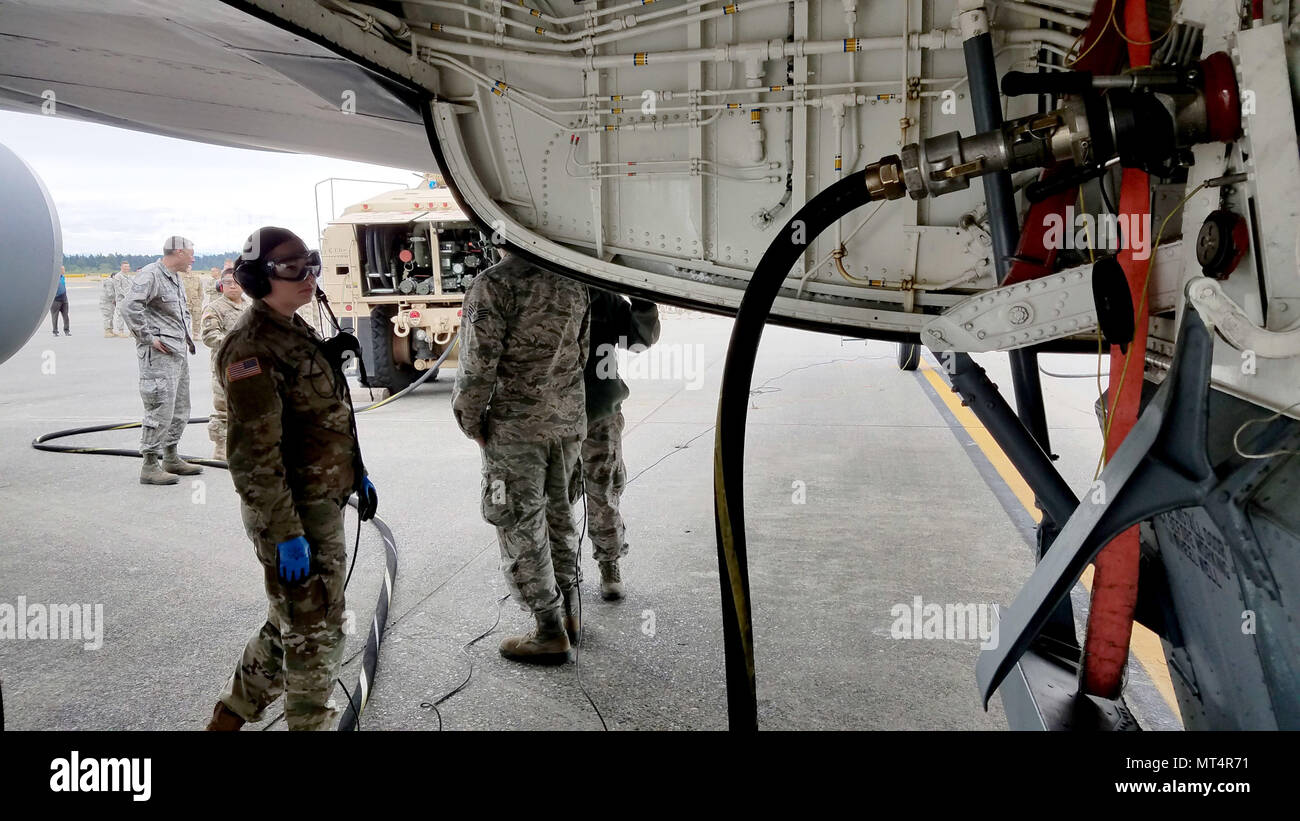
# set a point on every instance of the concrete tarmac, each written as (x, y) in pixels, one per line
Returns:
(860, 497)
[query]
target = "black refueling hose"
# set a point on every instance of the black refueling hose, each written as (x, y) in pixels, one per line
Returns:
(816, 216)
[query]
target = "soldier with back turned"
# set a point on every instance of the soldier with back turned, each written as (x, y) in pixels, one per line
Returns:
(519, 395)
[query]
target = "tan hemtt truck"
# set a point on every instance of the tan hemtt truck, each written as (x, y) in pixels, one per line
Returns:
(397, 265)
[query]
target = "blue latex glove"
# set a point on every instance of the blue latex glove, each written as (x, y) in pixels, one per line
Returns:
(295, 560)
(367, 500)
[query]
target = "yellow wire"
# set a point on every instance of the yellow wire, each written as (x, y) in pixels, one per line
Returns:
(1121, 33)
(1109, 19)
(1142, 299)
(1092, 257)
(1101, 393)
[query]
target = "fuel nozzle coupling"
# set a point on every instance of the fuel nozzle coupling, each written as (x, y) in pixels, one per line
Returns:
(1148, 121)
(885, 178)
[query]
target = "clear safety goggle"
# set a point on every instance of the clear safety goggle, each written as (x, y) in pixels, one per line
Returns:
(298, 267)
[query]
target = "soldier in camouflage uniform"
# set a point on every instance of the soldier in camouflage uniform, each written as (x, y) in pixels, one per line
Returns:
(295, 460)
(193, 282)
(212, 284)
(124, 280)
(155, 314)
(614, 324)
(218, 320)
(519, 395)
(110, 294)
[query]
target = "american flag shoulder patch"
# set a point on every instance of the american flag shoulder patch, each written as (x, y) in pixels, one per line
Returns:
(243, 369)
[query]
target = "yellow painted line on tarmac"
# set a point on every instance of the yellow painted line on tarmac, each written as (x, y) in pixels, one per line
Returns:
(1144, 644)
(984, 439)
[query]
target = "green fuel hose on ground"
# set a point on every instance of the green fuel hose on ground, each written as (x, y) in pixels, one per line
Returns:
(729, 445)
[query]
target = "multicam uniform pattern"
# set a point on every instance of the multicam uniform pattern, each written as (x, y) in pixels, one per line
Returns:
(210, 291)
(614, 324)
(219, 318)
(155, 309)
(293, 456)
(519, 388)
(193, 282)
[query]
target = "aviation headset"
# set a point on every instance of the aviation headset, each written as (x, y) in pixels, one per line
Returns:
(253, 269)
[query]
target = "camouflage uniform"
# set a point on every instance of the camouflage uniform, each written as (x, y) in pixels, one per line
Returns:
(218, 320)
(123, 283)
(614, 324)
(109, 295)
(194, 298)
(519, 387)
(210, 291)
(293, 457)
(155, 309)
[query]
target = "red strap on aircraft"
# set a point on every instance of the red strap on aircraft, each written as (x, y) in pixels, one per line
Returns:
(1115, 580)
(1033, 258)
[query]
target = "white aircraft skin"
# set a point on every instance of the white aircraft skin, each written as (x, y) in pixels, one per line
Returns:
(661, 148)
(687, 223)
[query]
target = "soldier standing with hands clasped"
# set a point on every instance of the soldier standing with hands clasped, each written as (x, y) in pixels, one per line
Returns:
(295, 460)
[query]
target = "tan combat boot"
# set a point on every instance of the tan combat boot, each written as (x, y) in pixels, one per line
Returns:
(175, 464)
(572, 615)
(224, 719)
(152, 473)
(611, 583)
(108, 334)
(546, 644)
(219, 450)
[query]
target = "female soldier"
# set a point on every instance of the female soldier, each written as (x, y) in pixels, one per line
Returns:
(295, 460)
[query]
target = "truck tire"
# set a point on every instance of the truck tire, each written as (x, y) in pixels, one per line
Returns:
(387, 373)
(909, 356)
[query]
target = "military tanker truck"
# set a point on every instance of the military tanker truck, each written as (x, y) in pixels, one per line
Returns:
(397, 265)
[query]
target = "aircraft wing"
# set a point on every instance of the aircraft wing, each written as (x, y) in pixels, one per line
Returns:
(206, 71)
(678, 205)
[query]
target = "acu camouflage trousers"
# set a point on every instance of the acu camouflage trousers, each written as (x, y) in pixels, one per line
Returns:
(604, 477)
(528, 493)
(299, 650)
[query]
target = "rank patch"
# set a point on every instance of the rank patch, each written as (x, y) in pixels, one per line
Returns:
(474, 313)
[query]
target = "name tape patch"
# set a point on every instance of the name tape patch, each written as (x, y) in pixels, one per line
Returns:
(243, 369)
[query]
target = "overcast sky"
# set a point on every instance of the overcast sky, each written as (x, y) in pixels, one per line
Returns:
(126, 191)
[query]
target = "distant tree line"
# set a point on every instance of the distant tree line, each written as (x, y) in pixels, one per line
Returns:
(107, 263)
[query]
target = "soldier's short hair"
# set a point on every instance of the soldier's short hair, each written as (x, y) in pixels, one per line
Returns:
(177, 243)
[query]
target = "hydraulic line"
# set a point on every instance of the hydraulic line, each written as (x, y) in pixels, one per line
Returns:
(812, 219)
(1115, 579)
(1004, 228)
(432, 369)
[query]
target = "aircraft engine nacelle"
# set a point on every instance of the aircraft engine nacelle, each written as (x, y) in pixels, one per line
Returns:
(33, 249)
